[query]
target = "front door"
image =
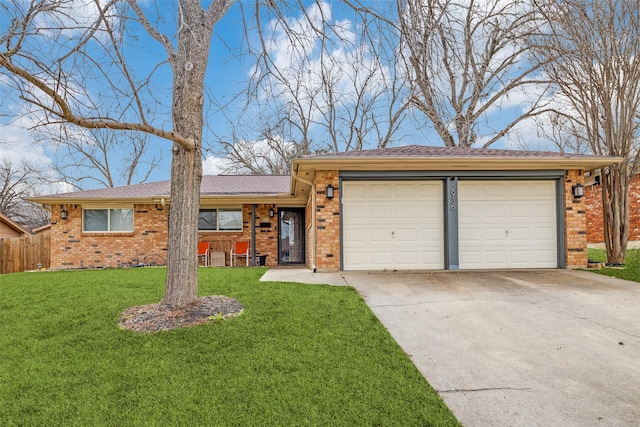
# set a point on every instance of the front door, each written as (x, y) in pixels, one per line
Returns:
(291, 240)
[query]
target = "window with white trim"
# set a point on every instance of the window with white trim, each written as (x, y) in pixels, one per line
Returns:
(229, 219)
(107, 220)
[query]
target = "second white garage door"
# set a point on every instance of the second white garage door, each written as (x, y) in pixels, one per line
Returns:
(392, 225)
(507, 224)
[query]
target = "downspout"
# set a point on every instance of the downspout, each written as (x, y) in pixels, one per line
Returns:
(253, 234)
(313, 217)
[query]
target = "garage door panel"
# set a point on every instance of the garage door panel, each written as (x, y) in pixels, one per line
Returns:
(356, 258)
(355, 236)
(507, 224)
(378, 191)
(493, 234)
(492, 212)
(406, 258)
(472, 258)
(405, 191)
(404, 223)
(379, 236)
(381, 213)
(356, 211)
(521, 211)
(407, 211)
(355, 191)
(406, 236)
(379, 257)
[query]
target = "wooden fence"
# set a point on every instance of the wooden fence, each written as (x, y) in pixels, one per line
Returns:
(25, 253)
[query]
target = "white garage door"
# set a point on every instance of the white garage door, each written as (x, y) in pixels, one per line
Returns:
(392, 225)
(507, 224)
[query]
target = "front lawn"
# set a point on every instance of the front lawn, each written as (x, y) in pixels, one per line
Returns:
(299, 355)
(632, 264)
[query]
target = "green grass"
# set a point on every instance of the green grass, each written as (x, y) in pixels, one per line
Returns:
(632, 264)
(300, 355)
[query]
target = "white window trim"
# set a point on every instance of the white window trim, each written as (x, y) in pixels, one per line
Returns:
(218, 209)
(108, 209)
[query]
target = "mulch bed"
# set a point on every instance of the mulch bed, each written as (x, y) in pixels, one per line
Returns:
(162, 317)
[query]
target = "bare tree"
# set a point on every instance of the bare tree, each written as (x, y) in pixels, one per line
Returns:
(592, 53)
(72, 67)
(565, 134)
(17, 183)
(104, 157)
(269, 154)
(331, 84)
(468, 61)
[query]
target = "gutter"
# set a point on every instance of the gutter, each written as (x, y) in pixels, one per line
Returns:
(295, 176)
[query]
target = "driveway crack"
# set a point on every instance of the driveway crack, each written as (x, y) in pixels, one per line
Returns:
(465, 390)
(609, 327)
(403, 305)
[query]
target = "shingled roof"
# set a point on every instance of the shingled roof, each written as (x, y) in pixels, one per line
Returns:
(428, 158)
(424, 151)
(212, 185)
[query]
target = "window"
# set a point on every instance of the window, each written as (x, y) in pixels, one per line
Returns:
(107, 220)
(220, 220)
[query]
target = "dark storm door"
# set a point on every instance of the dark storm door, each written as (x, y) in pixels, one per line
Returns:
(291, 236)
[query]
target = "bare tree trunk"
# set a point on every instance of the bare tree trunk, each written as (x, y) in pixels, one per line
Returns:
(591, 53)
(189, 66)
(615, 210)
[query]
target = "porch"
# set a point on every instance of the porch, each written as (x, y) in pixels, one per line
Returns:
(275, 234)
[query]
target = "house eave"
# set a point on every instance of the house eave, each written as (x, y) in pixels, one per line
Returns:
(215, 199)
(455, 163)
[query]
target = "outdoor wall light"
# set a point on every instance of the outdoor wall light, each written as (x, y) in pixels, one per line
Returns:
(64, 214)
(578, 191)
(271, 213)
(329, 191)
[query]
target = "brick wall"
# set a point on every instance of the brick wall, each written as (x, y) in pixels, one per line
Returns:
(595, 221)
(71, 248)
(575, 222)
(327, 222)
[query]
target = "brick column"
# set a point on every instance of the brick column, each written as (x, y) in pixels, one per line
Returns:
(327, 222)
(575, 222)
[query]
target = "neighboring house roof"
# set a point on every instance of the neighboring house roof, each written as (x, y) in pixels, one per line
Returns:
(12, 228)
(41, 229)
(212, 186)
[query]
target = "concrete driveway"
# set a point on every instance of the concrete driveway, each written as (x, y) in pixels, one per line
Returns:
(523, 348)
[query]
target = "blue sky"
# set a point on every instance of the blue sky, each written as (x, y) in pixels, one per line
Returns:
(227, 75)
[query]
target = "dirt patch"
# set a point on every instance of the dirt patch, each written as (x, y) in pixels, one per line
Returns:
(162, 317)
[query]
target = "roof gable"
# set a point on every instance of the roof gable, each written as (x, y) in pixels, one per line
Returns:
(13, 225)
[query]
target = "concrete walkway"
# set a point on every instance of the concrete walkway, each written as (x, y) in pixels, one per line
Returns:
(519, 348)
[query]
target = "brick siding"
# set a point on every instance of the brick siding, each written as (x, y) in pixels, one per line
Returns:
(327, 222)
(71, 248)
(575, 222)
(595, 220)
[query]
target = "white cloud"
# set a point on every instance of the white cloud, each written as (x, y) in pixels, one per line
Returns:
(213, 165)
(72, 18)
(265, 156)
(312, 66)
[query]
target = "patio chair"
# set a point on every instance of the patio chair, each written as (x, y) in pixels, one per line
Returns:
(239, 250)
(203, 253)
